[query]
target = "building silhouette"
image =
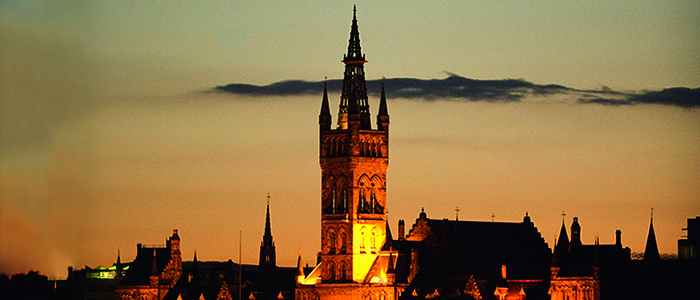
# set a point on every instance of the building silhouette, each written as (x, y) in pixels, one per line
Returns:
(689, 246)
(159, 273)
(360, 259)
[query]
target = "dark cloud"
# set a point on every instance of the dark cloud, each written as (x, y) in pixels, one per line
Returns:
(454, 86)
(461, 88)
(678, 96)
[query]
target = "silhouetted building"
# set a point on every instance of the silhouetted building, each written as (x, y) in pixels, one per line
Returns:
(154, 271)
(441, 258)
(688, 247)
(94, 283)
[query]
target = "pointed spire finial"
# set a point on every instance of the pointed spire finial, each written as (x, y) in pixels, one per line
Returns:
(268, 230)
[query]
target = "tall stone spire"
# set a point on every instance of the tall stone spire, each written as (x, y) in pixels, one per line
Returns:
(354, 107)
(651, 251)
(267, 246)
(268, 262)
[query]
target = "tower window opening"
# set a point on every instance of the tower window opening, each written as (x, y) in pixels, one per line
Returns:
(362, 241)
(332, 241)
(331, 272)
(345, 200)
(333, 200)
(343, 243)
(341, 272)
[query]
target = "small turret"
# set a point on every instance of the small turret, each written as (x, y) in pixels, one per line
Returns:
(300, 270)
(575, 236)
(383, 114)
(402, 230)
(324, 118)
(174, 242)
(618, 238)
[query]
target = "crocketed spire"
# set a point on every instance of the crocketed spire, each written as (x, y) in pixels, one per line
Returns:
(354, 107)
(354, 49)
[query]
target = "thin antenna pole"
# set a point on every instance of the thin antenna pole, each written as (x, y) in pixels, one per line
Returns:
(240, 266)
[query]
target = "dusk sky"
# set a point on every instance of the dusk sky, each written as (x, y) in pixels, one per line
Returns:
(112, 132)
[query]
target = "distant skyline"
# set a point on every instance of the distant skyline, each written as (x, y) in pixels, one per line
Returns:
(112, 132)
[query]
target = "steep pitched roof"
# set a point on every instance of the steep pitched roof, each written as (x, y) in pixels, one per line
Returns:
(489, 245)
(651, 251)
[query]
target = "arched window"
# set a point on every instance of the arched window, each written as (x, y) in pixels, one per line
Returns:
(362, 240)
(375, 239)
(343, 241)
(332, 238)
(345, 200)
(331, 271)
(361, 205)
(341, 272)
(333, 200)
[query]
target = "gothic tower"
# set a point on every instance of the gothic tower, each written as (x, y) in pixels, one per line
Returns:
(353, 158)
(268, 283)
(267, 246)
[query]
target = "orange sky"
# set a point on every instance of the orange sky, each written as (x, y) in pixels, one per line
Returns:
(108, 139)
